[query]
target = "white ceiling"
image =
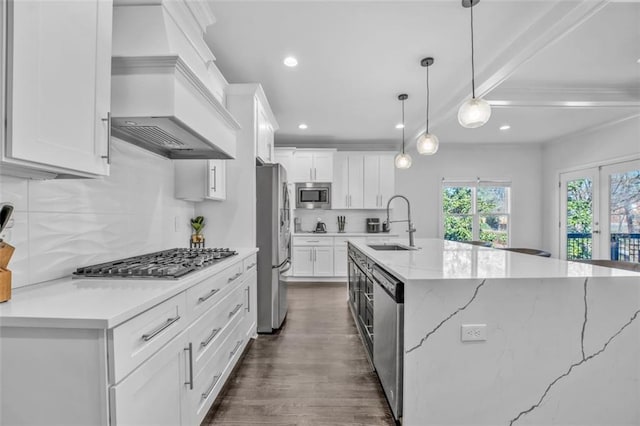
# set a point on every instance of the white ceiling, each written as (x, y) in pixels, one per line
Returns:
(551, 68)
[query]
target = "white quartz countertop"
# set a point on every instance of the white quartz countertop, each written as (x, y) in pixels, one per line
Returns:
(95, 302)
(345, 234)
(440, 259)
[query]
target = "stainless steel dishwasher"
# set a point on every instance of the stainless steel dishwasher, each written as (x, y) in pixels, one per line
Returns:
(388, 323)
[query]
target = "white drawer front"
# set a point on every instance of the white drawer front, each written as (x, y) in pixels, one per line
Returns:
(213, 327)
(210, 291)
(312, 241)
(137, 339)
(250, 262)
(342, 241)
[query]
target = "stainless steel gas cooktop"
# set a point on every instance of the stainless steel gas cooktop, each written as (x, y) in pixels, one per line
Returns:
(167, 264)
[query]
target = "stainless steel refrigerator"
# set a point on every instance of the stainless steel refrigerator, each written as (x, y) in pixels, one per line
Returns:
(274, 241)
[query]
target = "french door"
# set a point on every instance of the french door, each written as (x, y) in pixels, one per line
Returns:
(600, 212)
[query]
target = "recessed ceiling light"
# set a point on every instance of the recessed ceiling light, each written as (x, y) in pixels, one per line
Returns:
(303, 126)
(399, 126)
(290, 61)
(638, 61)
(505, 127)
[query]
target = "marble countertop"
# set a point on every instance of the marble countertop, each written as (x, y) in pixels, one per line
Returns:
(439, 259)
(96, 303)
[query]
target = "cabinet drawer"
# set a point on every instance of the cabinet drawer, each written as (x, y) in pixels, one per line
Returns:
(137, 339)
(209, 382)
(312, 241)
(214, 326)
(250, 262)
(210, 291)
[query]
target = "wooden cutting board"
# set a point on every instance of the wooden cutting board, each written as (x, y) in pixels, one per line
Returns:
(6, 251)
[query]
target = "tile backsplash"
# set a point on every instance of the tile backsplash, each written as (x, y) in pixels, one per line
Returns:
(60, 225)
(355, 219)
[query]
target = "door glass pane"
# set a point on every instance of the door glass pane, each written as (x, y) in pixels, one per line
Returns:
(579, 218)
(624, 215)
(493, 229)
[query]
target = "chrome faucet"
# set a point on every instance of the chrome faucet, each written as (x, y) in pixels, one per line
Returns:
(412, 229)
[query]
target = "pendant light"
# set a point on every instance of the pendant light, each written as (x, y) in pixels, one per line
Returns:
(476, 111)
(403, 160)
(427, 143)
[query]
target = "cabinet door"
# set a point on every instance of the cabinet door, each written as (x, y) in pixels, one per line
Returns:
(264, 136)
(217, 188)
(155, 393)
(59, 84)
(323, 262)
(340, 261)
(302, 167)
(340, 187)
(302, 261)
(387, 179)
(356, 181)
(371, 182)
(323, 167)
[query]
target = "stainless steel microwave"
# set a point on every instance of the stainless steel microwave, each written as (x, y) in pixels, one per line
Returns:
(313, 195)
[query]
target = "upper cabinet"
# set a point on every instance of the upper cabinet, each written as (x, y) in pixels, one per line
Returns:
(312, 166)
(265, 134)
(199, 180)
(56, 61)
(348, 183)
(379, 180)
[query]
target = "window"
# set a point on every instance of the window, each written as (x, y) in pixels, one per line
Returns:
(476, 211)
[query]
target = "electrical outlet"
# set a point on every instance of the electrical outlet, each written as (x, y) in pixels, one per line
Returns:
(473, 332)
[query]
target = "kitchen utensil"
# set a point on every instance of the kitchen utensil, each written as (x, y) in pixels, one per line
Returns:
(321, 227)
(6, 251)
(6, 210)
(341, 222)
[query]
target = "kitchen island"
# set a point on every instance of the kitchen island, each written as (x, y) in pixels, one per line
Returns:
(562, 338)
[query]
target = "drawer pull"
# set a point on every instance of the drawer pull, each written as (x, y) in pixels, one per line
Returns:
(208, 340)
(206, 393)
(190, 350)
(208, 295)
(160, 329)
(235, 310)
(251, 266)
(233, 352)
(234, 277)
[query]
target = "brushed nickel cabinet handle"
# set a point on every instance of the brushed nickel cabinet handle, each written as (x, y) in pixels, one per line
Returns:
(160, 329)
(234, 277)
(235, 310)
(251, 266)
(206, 393)
(208, 295)
(248, 289)
(233, 352)
(190, 350)
(208, 340)
(108, 156)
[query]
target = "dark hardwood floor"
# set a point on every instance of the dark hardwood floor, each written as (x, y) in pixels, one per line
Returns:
(313, 372)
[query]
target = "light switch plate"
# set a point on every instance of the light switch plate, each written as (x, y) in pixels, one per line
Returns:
(473, 332)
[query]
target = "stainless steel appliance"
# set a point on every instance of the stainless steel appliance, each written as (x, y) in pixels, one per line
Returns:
(373, 224)
(167, 264)
(388, 322)
(274, 242)
(360, 284)
(313, 195)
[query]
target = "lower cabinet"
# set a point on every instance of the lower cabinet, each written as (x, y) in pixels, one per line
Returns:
(309, 261)
(340, 261)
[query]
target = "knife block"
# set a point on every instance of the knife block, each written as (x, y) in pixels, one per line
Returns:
(5, 285)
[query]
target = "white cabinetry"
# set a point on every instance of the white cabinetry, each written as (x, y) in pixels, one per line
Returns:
(264, 134)
(312, 166)
(312, 257)
(284, 156)
(348, 184)
(57, 66)
(379, 180)
(197, 180)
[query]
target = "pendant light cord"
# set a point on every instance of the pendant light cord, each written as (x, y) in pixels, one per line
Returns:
(403, 126)
(427, 100)
(473, 72)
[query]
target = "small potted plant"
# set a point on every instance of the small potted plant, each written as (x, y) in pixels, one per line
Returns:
(197, 224)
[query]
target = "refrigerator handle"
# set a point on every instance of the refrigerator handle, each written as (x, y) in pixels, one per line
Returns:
(288, 263)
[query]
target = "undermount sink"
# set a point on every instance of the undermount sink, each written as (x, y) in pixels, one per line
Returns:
(391, 247)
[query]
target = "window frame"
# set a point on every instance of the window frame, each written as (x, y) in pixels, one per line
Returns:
(474, 184)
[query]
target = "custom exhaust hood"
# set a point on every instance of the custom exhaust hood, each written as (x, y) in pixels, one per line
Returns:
(167, 95)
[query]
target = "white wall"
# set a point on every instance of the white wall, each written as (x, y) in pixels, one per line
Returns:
(599, 147)
(519, 163)
(63, 224)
